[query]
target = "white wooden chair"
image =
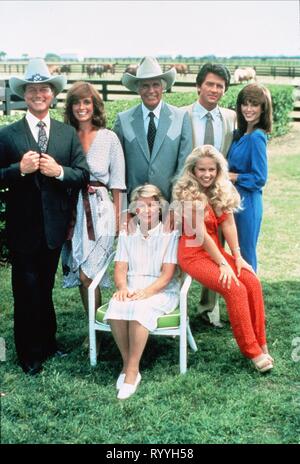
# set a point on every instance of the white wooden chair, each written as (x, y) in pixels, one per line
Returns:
(173, 324)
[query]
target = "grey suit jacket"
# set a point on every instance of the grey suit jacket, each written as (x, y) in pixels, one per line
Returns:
(229, 124)
(173, 143)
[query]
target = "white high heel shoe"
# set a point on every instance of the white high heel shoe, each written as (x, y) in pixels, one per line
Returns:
(128, 389)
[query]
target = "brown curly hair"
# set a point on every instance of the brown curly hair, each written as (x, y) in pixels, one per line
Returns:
(82, 90)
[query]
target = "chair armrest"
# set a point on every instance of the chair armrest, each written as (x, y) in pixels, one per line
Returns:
(183, 299)
(186, 285)
(91, 290)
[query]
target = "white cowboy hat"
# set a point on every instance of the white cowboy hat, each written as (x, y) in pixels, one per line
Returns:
(149, 68)
(37, 72)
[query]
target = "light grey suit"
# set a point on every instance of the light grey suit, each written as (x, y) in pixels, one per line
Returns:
(173, 143)
(228, 126)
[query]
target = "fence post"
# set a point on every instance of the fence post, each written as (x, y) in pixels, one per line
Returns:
(104, 91)
(7, 101)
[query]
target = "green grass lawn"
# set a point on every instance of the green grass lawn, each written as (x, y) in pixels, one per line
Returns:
(221, 399)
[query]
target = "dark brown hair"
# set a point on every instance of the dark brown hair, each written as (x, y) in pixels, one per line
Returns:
(256, 94)
(218, 69)
(82, 90)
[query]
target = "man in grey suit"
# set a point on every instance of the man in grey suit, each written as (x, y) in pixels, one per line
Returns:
(156, 137)
(212, 125)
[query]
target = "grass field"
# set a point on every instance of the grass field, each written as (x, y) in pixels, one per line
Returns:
(221, 399)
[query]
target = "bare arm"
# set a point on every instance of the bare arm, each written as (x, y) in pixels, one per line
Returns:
(226, 272)
(233, 177)
(230, 234)
(120, 277)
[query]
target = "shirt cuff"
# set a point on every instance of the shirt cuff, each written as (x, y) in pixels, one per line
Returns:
(61, 175)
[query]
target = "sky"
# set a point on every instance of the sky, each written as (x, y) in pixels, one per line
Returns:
(139, 28)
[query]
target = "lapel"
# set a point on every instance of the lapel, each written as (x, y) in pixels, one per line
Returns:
(55, 139)
(139, 130)
(190, 111)
(22, 137)
(226, 133)
(165, 120)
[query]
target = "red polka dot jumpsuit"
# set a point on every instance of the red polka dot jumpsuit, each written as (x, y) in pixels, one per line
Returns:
(244, 303)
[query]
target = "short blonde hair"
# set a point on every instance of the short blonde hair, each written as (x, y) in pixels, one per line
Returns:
(147, 191)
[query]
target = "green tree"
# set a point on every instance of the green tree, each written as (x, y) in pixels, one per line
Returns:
(2, 55)
(52, 57)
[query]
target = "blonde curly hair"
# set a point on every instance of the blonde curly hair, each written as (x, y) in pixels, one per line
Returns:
(221, 195)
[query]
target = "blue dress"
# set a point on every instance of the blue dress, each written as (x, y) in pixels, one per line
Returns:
(248, 158)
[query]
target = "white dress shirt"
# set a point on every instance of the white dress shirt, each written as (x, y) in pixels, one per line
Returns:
(199, 123)
(33, 125)
(146, 118)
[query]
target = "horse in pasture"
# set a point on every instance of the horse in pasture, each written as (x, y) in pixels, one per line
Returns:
(94, 69)
(65, 68)
(244, 75)
(131, 69)
(108, 67)
(181, 68)
(54, 69)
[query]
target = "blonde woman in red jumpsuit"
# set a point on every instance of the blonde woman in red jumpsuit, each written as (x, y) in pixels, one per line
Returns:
(205, 185)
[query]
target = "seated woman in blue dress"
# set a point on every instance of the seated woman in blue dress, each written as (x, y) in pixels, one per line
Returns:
(247, 159)
(147, 287)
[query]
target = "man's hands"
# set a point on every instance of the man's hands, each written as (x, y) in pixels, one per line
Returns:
(33, 161)
(48, 166)
(30, 162)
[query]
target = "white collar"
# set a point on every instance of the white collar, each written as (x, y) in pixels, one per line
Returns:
(198, 108)
(33, 120)
(154, 231)
(156, 110)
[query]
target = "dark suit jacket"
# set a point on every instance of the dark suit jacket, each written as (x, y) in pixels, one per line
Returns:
(40, 208)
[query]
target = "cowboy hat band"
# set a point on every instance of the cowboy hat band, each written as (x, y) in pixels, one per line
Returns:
(37, 72)
(148, 68)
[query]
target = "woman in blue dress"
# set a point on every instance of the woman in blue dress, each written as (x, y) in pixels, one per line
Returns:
(248, 166)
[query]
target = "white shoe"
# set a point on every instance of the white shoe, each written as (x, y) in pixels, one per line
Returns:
(120, 380)
(127, 389)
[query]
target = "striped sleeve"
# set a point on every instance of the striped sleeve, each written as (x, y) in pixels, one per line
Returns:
(171, 250)
(122, 250)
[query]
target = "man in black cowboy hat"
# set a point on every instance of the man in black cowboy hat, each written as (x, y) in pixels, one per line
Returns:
(42, 164)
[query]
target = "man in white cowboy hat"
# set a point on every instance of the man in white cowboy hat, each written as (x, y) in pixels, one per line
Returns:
(156, 137)
(43, 165)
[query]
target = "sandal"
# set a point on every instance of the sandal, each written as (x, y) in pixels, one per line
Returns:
(263, 364)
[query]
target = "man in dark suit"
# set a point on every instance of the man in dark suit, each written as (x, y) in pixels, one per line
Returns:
(43, 165)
